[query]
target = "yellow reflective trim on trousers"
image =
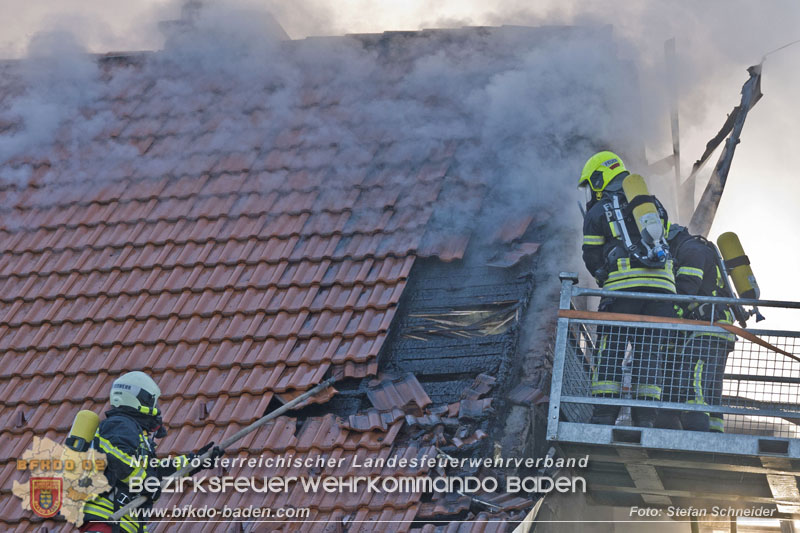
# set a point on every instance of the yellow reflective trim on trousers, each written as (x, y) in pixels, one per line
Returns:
(594, 240)
(599, 361)
(690, 271)
(653, 283)
(605, 387)
(103, 501)
(97, 510)
(648, 391)
(130, 526)
(716, 423)
(725, 336)
(106, 445)
(646, 387)
(93, 508)
(697, 383)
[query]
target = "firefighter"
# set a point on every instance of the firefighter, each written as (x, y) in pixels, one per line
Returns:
(697, 376)
(609, 231)
(127, 437)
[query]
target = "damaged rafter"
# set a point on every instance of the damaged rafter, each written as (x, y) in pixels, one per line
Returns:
(485, 320)
(703, 215)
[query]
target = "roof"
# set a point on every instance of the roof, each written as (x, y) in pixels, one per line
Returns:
(240, 235)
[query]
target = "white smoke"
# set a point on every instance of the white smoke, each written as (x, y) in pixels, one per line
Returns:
(508, 99)
(55, 80)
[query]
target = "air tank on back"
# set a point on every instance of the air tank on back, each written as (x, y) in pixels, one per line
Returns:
(738, 266)
(83, 429)
(645, 213)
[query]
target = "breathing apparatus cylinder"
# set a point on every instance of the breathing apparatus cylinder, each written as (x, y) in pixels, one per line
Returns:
(83, 430)
(738, 266)
(645, 213)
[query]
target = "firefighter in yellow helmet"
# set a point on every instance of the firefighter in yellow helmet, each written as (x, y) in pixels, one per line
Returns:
(610, 255)
(127, 437)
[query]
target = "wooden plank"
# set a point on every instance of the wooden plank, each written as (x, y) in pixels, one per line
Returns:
(722, 497)
(693, 461)
(783, 487)
(644, 476)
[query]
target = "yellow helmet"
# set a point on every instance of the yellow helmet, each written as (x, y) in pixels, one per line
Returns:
(600, 169)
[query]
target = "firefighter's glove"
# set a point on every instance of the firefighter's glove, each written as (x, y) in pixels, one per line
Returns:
(163, 471)
(600, 275)
(207, 462)
(216, 451)
(678, 311)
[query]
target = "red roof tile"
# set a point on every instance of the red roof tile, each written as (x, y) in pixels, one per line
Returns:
(397, 393)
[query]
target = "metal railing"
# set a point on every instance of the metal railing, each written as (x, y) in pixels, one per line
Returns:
(684, 369)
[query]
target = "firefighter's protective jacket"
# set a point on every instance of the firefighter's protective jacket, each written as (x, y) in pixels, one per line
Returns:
(606, 256)
(124, 437)
(698, 273)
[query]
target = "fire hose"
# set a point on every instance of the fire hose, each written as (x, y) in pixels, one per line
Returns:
(185, 470)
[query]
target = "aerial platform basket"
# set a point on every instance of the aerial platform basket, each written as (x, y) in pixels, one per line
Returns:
(754, 464)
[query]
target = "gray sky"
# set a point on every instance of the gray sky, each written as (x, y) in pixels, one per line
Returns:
(716, 41)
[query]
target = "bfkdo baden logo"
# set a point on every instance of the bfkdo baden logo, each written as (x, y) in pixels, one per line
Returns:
(61, 479)
(45, 493)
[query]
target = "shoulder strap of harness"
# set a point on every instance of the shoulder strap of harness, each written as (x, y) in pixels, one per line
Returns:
(620, 220)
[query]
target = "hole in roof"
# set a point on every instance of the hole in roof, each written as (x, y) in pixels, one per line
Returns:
(273, 404)
(473, 321)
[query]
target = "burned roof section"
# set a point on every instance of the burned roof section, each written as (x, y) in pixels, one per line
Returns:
(460, 321)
